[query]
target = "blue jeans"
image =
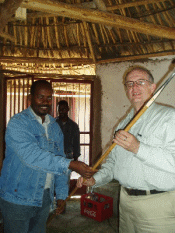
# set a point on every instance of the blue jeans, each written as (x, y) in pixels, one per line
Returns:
(25, 219)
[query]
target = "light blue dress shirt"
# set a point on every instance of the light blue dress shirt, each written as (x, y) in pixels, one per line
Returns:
(153, 167)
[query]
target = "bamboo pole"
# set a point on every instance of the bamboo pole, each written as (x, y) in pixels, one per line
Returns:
(89, 41)
(147, 48)
(48, 33)
(25, 34)
(84, 39)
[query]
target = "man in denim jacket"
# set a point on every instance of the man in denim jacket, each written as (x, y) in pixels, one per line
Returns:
(35, 165)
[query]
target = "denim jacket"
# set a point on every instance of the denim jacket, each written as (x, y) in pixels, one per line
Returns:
(29, 157)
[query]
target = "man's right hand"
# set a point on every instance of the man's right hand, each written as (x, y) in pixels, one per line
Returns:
(88, 182)
(83, 169)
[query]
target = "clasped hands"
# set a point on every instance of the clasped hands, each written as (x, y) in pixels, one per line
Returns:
(85, 171)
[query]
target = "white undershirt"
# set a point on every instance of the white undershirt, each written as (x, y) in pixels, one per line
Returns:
(45, 124)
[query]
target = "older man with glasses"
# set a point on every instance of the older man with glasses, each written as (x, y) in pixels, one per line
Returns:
(143, 162)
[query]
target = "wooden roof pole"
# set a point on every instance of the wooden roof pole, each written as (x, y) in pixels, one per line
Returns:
(11, 59)
(100, 17)
(135, 57)
(8, 59)
(149, 48)
(122, 12)
(88, 36)
(84, 39)
(7, 36)
(167, 15)
(57, 36)
(86, 27)
(7, 9)
(132, 4)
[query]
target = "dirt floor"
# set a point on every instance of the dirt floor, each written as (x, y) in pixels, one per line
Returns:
(73, 222)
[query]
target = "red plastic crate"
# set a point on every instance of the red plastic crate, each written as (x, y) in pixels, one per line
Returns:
(99, 209)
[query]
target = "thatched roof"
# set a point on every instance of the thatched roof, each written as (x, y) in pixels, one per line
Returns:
(57, 34)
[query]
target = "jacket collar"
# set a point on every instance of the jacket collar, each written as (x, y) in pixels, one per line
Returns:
(32, 116)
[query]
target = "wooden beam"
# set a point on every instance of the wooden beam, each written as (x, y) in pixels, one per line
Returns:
(136, 57)
(96, 16)
(86, 27)
(7, 9)
(132, 4)
(75, 61)
(10, 59)
(7, 36)
(98, 4)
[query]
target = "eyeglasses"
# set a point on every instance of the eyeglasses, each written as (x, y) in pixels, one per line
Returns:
(140, 82)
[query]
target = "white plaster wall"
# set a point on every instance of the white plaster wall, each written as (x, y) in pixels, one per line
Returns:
(114, 101)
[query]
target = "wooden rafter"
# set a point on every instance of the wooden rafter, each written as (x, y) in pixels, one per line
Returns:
(7, 36)
(89, 41)
(75, 61)
(7, 9)
(132, 4)
(136, 57)
(9, 59)
(94, 35)
(96, 16)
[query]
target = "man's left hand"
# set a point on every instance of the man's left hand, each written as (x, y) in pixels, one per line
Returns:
(127, 141)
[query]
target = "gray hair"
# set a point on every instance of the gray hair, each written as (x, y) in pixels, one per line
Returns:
(150, 76)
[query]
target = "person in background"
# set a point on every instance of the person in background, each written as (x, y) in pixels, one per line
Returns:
(35, 164)
(143, 161)
(70, 131)
(71, 134)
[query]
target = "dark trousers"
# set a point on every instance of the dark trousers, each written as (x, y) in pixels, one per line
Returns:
(25, 219)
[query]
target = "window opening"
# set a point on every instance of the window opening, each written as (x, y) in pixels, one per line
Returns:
(78, 95)
(17, 92)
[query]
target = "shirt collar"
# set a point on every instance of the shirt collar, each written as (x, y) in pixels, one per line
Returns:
(39, 119)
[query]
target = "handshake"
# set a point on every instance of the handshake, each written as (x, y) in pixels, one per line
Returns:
(85, 171)
(81, 168)
(86, 178)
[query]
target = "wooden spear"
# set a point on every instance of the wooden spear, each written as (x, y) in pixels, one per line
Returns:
(127, 128)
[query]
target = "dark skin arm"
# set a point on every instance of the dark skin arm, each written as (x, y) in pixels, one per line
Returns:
(60, 206)
(81, 168)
